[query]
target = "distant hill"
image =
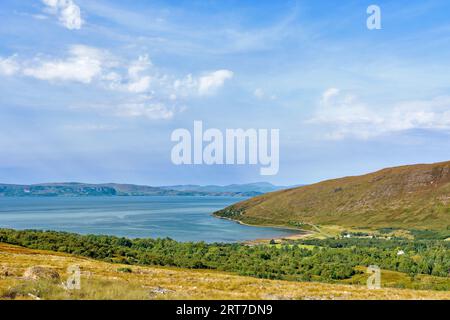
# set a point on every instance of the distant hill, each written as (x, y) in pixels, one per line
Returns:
(416, 197)
(260, 187)
(75, 189)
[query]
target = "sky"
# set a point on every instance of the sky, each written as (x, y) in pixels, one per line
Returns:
(91, 91)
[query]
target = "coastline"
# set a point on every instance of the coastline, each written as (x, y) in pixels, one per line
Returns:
(300, 233)
(56, 207)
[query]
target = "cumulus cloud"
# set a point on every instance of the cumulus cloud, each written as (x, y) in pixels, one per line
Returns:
(83, 64)
(186, 86)
(86, 64)
(206, 84)
(211, 82)
(136, 78)
(140, 90)
(9, 66)
(68, 13)
(112, 80)
(431, 114)
(139, 85)
(344, 116)
(139, 82)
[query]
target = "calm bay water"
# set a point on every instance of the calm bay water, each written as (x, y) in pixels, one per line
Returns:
(180, 218)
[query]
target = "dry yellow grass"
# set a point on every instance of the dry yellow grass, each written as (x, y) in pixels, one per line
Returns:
(101, 280)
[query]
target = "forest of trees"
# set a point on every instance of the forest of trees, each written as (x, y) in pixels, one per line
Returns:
(305, 260)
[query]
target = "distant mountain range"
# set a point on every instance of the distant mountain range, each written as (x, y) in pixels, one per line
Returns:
(259, 187)
(412, 197)
(75, 189)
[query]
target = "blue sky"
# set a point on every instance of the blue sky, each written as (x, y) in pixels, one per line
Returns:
(91, 90)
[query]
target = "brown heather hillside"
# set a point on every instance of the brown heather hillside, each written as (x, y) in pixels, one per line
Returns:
(408, 197)
(101, 280)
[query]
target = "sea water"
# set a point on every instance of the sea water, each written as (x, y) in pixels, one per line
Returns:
(183, 218)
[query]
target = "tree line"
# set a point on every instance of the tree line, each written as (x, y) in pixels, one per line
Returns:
(306, 260)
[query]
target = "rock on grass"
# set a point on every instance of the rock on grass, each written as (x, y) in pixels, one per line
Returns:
(41, 273)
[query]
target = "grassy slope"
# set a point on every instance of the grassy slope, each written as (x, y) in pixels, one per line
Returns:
(102, 280)
(410, 197)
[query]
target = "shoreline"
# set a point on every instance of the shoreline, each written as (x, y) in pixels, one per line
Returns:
(300, 233)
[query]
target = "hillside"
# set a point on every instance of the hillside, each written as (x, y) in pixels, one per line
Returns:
(101, 280)
(74, 189)
(409, 197)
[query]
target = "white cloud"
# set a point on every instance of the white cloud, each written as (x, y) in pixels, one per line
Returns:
(344, 116)
(85, 64)
(343, 109)
(139, 83)
(40, 16)
(82, 65)
(211, 82)
(329, 93)
(204, 85)
(113, 80)
(259, 93)
(140, 65)
(431, 114)
(152, 111)
(137, 78)
(9, 66)
(69, 14)
(185, 86)
(140, 89)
